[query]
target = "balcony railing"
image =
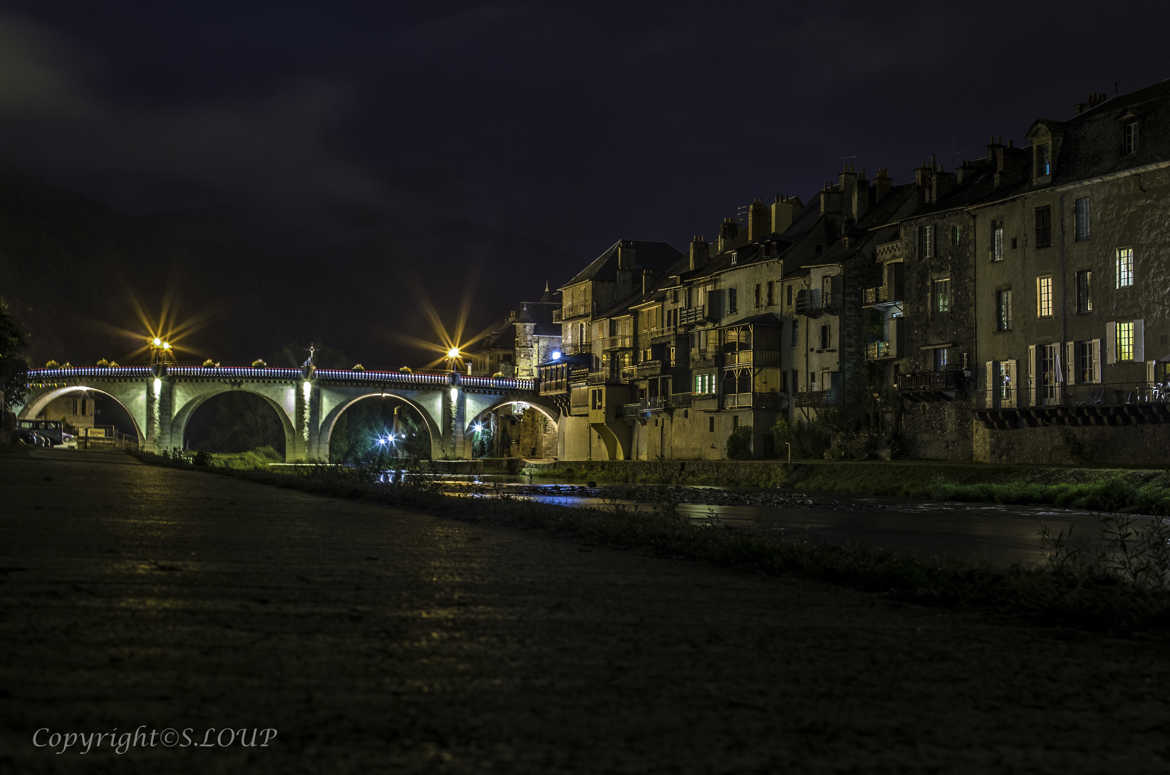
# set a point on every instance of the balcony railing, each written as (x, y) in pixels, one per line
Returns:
(817, 398)
(890, 251)
(580, 309)
(737, 401)
(618, 342)
(576, 348)
(556, 316)
(649, 368)
(808, 302)
(629, 373)
(691, 315)
(931, 381)
(879, 295)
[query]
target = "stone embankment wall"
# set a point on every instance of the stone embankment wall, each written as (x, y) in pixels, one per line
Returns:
(1122, 445)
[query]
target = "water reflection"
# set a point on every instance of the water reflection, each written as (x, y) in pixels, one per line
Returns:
(995, 534)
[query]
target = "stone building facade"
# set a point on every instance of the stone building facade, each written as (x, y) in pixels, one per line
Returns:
(1011, 309)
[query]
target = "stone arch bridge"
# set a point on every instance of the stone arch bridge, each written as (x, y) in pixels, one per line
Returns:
(160, 400)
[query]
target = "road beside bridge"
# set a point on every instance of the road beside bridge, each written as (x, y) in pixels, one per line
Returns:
(376, 639)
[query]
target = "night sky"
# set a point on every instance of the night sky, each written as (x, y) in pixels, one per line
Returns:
(295, 174)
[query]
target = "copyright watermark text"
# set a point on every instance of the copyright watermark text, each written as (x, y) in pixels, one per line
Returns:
(122, 742)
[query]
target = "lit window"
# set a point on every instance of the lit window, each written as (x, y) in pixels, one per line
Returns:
(956, 236)
(942, 295)
(1082, 219)
(1086, 371)
(1125, 341)
(997, 240)
(1124, 274)
(827, 292)
(1044, 296)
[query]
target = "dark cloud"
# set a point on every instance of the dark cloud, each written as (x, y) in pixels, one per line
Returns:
(343, 149)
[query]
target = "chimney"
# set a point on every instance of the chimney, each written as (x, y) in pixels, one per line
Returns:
(759, 222)
(830, 200)
(858, 202)
(995, 154)
(881, 185)
(784, 212)
(699, 253)
(728, 234)
(627, 255)
(847, 185)
(941, 184)
(645, 281)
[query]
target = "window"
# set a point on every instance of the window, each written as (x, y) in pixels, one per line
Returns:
(1084, 291)
(735, 422)
(1043, 160)
(795, 329)
(1124, 274)
(956, 236)
(997, 240)
(824, 337)
(1125, 341)
(1081, 216)
(926, 241)
(732, 301)
(1044, 296)
(941, 358)
(827, 292)
(788, 301)
(82, 407)
(1007, 378)
(1043, 226)
(771, 293)
(1130, 141)
(1003, 310)
(941, 293)
(711, 424)
(1049, 381)
(757, 295)
(1086, 362)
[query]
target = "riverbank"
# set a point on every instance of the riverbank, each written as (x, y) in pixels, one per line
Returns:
(1071, 591)
(1144, 491)
(373, 638)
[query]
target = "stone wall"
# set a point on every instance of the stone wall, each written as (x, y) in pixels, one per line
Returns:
(1123, 445)
(938, 430)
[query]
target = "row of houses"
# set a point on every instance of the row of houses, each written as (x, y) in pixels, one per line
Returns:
(1011, 309)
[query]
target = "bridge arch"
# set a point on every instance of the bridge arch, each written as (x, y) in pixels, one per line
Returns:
(37, 402)
(329, 422)
(544, 447)
(183, 414)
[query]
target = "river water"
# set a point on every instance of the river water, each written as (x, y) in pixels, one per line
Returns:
(994, 534)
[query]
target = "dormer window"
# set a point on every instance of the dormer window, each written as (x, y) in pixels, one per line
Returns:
(1043, 160)
(1130, 138)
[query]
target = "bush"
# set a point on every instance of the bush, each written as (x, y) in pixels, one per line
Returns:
(739, 443)
(808, 440)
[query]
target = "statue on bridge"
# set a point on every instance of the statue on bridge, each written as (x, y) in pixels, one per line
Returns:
(309, 366)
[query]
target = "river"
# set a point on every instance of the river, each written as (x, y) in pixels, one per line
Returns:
(995, 534)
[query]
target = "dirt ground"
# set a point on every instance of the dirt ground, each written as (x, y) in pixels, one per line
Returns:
(381, 640)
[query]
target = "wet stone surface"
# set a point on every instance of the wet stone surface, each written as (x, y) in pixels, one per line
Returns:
(382, 640)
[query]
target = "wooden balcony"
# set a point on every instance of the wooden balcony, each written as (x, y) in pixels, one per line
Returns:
(690, 315)
(618, 342)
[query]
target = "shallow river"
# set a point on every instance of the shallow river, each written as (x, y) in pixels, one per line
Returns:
(996, 534)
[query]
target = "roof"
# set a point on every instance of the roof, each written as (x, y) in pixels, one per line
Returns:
(649, 255)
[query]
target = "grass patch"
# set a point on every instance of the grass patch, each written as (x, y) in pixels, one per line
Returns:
(1064, 593)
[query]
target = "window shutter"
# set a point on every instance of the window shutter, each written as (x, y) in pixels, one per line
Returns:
(1150, 372)
(1096, 345)
(989, 382)
(1139, 340)
(1070, 362)
(1032, 375)
(1111, 342)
